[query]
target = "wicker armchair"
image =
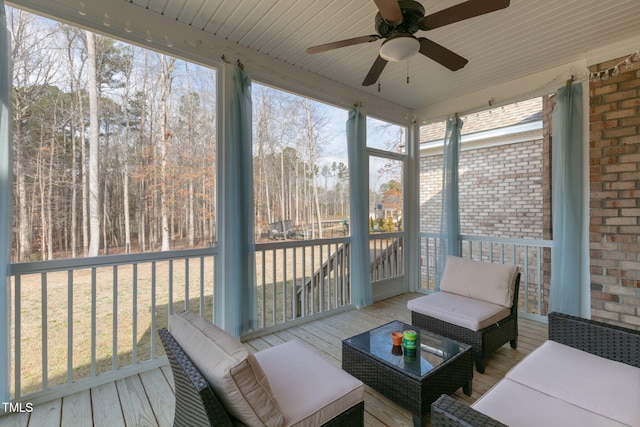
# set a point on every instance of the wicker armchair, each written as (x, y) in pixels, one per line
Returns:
(607, 341)
(484, 341)
(198, 405)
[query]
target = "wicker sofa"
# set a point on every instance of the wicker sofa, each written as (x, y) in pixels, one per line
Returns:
(218, 382)
(477, 304)
(587, 373)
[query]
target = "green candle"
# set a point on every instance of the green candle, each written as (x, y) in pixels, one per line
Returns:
(409, 339)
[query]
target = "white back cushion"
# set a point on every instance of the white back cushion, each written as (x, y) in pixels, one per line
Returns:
(234, 374)
(494, 283)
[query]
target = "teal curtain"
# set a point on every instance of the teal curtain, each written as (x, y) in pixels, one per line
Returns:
(361, 289)
(567, 201)
(5, 200)
(240, 294)
(448, 244)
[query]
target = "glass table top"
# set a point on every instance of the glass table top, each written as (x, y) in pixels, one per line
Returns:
(433, 350)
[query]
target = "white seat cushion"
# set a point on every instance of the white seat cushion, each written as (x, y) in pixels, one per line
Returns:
(467, 312)
(517, 405)
(494, 283)
(583, 379)
(233, 373)
(309, 389)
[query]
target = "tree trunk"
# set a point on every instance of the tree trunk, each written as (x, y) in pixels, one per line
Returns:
(165, 87)
(94, 188)
(52, 154)
(191, 218)
(43, 217)
(74, 196)
(314, 187)
(85, 180)
(282, 201)
(142, 232)
(125, 171)
(24, 226)
(105, 219)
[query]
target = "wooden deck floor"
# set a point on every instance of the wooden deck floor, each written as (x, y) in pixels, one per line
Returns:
(147, 399)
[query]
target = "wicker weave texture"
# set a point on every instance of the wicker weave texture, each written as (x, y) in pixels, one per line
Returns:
(351, 417)
(608, 341)
(196, 403)
(413, 393)
(448, 412)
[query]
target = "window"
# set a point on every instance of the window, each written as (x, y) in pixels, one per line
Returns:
(133, 171)
(301, 173)
(387, 144)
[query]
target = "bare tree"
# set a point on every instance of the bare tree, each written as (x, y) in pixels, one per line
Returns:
(33, 70)
(77, 120)
(311, 129)
(125, 154)
(167, 65)
(174, 191)
(94, 135)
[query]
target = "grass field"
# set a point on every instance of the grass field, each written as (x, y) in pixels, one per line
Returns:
(72, 307)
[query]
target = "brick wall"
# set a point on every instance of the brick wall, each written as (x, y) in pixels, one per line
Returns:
(548, 104)
(501, 195)
(500, 191)
(614, 228)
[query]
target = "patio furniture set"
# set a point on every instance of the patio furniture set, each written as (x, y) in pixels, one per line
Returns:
(586, 374)
(219, 382)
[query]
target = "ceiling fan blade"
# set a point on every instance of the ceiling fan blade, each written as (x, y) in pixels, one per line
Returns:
(343, 43)
(375, 71)
(460, 12)
(441, 54)
(390, 11)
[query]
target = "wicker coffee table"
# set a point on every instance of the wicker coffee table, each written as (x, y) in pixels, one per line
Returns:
(415, 380)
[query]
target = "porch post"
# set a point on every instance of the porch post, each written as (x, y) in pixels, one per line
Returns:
(5, 202)
(411, 218)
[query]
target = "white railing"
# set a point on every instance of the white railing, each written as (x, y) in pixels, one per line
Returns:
(387, 256)
(532, 256)
(82, 322)
(78, 323)
(93, 320)
(299, 279)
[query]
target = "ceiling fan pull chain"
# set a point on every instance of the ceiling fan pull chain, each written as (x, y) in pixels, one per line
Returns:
(407, 71)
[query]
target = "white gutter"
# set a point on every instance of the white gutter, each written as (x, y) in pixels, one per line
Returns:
(530, 131)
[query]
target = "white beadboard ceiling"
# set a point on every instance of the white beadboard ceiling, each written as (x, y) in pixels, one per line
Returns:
(526, 38)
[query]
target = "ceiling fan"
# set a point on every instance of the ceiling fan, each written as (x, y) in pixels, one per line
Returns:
(398, 20)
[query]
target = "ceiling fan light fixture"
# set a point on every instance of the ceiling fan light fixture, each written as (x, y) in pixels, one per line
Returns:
(399, 48)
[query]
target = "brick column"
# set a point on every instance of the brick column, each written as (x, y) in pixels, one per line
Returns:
(614, 174)
(548, 104)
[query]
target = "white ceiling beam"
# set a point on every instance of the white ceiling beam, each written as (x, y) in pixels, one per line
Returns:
(527, 87)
